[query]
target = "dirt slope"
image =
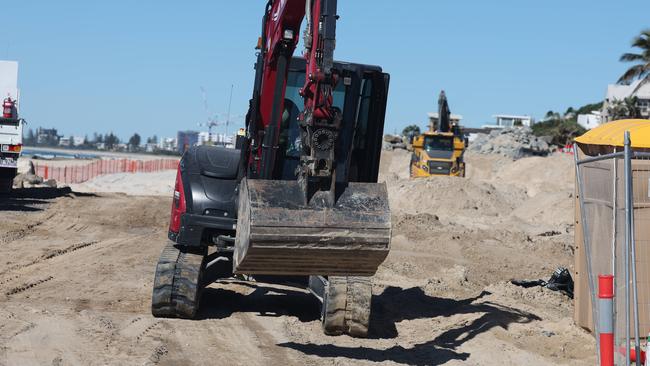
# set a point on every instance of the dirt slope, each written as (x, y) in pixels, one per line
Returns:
(77, 270)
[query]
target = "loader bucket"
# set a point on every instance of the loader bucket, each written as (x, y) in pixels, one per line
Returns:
(277, 234)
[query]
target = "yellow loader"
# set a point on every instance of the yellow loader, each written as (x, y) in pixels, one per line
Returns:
(441, 150)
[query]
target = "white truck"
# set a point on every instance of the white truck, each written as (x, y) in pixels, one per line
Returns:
(11, 126)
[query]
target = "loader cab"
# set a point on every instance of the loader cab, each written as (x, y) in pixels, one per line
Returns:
(361, 95)
(439, 146)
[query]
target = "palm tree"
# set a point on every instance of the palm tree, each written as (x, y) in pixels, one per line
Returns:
(642, 68)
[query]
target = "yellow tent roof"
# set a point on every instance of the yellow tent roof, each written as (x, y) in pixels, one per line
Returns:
(612, 133)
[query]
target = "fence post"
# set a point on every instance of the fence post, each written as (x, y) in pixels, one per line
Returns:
(587, 246)
(630, 244)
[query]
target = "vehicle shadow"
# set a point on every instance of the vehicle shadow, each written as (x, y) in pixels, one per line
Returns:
(396, 304)
(266, 300)
(35, 199)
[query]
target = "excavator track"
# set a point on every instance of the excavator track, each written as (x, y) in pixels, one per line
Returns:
(346, 306)
(178, 283)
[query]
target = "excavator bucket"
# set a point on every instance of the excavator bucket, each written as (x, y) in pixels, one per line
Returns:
(277, 234)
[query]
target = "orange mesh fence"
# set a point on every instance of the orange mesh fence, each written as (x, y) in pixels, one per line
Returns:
(82, 173)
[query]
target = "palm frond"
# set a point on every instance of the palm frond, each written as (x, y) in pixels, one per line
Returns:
(630, 57)
(632, 73)
(642, 41)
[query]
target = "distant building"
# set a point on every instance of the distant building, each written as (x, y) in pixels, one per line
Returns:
(433, 120)
(150, 147)
(507, 120)
(218, 139)
(639, 89)
(64, 141)
(589, 121)
(205, 138)
(78, 140)
(167, 144)
(186, 139)
(47, 136)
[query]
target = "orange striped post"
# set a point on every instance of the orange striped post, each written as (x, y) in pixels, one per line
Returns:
(606, 319)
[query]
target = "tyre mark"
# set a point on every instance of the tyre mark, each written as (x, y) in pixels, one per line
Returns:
(59, 252)
(18, 234)
(51, 254)
(147, 330)
(9, 279)
(27, 286)
(157, 355)
(22, 330)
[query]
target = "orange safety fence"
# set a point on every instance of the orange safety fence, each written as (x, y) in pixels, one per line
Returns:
(82, 173)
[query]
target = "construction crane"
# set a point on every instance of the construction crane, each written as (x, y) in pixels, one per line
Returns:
(300, 198)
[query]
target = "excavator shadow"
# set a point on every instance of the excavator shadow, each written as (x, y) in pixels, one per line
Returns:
(34, 199)
(396, 304)
(265, 300)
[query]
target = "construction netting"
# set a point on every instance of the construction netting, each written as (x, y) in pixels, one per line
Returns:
(79, 173)
(611, 246)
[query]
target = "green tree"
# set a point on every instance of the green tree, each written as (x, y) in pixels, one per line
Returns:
(134, 141)
(641, 69)
(623, 109)
(31, 138)
(111, 141)
(586, 109)
(411, 130)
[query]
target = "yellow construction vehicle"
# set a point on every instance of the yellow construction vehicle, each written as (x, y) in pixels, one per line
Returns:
(441, 150)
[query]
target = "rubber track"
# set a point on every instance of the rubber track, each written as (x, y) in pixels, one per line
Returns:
(334, 305)
(346, 307)
(178, 283)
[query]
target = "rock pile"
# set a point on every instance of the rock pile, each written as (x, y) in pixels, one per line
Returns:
(392, 142)
(514, 142)
(28, 179)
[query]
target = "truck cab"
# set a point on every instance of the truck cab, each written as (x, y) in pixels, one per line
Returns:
(11, 143)
(438, 153)
(11, 126)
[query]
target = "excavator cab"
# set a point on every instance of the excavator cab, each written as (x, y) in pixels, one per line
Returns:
(361, 96)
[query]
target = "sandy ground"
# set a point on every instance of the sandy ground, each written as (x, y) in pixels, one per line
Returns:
(149, 184)
(77, 270)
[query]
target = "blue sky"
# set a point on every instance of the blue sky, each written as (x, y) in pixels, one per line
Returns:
(127, 66)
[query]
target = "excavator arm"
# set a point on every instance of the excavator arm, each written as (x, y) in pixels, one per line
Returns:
(315, 224)
(320, 121)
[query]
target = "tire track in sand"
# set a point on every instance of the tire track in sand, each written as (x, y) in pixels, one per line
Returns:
(26, 286)
(49, 255)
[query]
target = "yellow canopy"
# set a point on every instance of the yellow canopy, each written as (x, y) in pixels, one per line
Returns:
(612, 133)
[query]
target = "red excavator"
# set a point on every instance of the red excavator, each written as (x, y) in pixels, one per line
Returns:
(298, 201)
